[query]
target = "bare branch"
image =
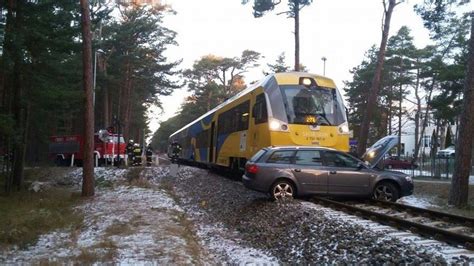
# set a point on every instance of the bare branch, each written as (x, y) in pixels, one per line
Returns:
(281, 13)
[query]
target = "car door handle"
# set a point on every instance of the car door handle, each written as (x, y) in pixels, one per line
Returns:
(333, 172)
(297, 170)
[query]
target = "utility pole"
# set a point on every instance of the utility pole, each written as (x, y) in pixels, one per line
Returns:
(324, 65)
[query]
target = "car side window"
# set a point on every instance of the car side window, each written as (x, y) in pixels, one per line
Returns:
(337, 159)
(281, 157)
(308, 158)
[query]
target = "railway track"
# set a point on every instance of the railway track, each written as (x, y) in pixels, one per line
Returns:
(453, 229)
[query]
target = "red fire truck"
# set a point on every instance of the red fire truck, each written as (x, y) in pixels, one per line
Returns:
(68, 150)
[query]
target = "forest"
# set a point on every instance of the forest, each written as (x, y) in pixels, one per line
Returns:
(41, 74)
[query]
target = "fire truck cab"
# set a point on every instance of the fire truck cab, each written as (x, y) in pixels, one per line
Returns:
(67, 150)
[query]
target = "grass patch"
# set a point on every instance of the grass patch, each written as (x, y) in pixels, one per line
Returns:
(88, 256)
(101, 182)
(25, 215)
(118, 229)
(439, 192)
(188, 234)
(46, 173)
(169, 188)
(133, 173)
(135, 178)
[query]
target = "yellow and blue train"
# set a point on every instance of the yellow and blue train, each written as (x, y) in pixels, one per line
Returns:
(292, 108)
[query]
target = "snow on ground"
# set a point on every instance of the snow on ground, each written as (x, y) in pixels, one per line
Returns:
(223, 243)
(101, 174)
(417, 201)
(124, 225)
(146, 223)
(217, 239)
(449, 253)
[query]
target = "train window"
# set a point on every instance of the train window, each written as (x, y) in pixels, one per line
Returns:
(235, 119)
(260, 110)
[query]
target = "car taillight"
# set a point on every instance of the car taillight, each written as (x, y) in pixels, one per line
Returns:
(251, 168)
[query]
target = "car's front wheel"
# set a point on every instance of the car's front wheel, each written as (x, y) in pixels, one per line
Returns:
(282, 190)
(386, 191)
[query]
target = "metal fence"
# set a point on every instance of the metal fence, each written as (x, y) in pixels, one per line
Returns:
(440, 168)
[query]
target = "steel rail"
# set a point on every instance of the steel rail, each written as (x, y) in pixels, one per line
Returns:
(438, 233)
(439, 215)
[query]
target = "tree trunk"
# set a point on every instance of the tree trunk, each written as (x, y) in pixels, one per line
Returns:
(106, 107)
(88, 157)
(425, 118)
(417, 115)
(209, 98)
(126, 100)
(18, 114)
(458, 195)
(18, 102)
(8, 50)
(400, 100)
(297, 36)
(374, 89)
(390, 114)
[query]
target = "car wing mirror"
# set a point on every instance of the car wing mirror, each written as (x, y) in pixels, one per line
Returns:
(360, 166)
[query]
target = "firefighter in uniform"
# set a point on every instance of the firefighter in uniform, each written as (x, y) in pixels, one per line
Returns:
(176, 150)
(137, 154)
(149, 154)
(129, 150)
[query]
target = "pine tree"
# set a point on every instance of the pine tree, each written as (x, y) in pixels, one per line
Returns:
(375, 86)
(260, 7)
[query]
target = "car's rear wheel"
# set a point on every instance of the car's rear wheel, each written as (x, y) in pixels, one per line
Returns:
(386, 191)
(282, 190)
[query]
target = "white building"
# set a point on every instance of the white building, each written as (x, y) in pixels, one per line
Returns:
(408, 136)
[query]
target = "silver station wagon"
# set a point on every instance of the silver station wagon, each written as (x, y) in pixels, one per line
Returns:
(292, 171)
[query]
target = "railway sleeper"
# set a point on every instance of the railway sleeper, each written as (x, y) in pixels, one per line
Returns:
(457, 229)
(436, 223)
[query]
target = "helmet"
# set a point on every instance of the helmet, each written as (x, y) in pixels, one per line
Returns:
(136, 145)
(131, 141)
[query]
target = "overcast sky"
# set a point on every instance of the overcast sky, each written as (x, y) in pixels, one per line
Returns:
(340, 30)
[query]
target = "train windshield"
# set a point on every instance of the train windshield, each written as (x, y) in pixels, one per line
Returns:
(313, 106)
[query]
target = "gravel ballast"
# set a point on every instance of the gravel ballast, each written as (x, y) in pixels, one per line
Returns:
(288, 231)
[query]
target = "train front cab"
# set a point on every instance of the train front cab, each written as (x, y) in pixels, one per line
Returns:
(306, 110)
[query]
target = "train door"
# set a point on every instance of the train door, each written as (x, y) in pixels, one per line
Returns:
(212, 142)
(259, 113)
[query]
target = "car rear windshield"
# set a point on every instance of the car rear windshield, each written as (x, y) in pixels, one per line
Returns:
(257, 155)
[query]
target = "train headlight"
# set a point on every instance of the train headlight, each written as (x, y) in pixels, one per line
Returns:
(306, 81)
(277, 125)
(274, 125)
(343, 128)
